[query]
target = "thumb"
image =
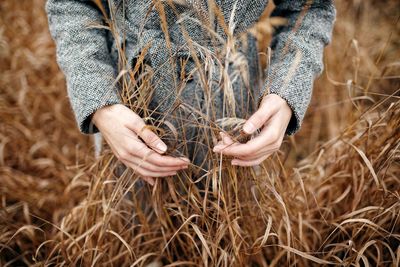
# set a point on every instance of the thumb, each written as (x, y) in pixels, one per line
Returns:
(152, 140)
(148, 136)
(257, 120)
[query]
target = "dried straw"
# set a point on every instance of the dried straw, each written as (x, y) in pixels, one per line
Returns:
(330, 198)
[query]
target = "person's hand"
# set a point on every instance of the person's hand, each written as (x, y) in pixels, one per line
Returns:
(272, 118)
(121, 128)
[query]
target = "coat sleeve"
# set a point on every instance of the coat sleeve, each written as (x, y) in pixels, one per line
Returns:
(83, 54)
(297, 53)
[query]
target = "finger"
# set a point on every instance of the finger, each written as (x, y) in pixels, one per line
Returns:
(152, 140)
(167, 161)
(152, 167)
(268, 135)
(148, 136)
(258, 119)
(262, 153)
(149, 179)
(253, 162)
(140, 150)
(221, 145)
(143, 172)
(226, 139)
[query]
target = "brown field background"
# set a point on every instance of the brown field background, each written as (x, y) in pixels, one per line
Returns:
(334, 189)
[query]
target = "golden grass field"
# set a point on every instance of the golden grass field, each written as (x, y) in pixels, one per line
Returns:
(330, 197)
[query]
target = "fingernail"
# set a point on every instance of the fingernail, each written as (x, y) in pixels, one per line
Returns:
(161, 146)
(249, 127)
(234, 162)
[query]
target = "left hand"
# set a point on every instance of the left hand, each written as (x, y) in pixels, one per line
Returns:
(272, 118)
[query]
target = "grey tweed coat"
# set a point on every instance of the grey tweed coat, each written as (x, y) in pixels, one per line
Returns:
(88, 56)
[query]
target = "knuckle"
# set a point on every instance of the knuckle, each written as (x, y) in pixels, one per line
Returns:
(132, 147)
(137, 125)
(274, 134)
(123, 156)
(141, 152)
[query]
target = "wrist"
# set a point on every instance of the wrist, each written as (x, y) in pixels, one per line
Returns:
(293, 121)
(273, 97)
(96, 116)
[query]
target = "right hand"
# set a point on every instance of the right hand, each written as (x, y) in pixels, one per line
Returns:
(120, 127)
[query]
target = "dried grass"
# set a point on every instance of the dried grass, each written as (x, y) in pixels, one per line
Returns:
(330, 197)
